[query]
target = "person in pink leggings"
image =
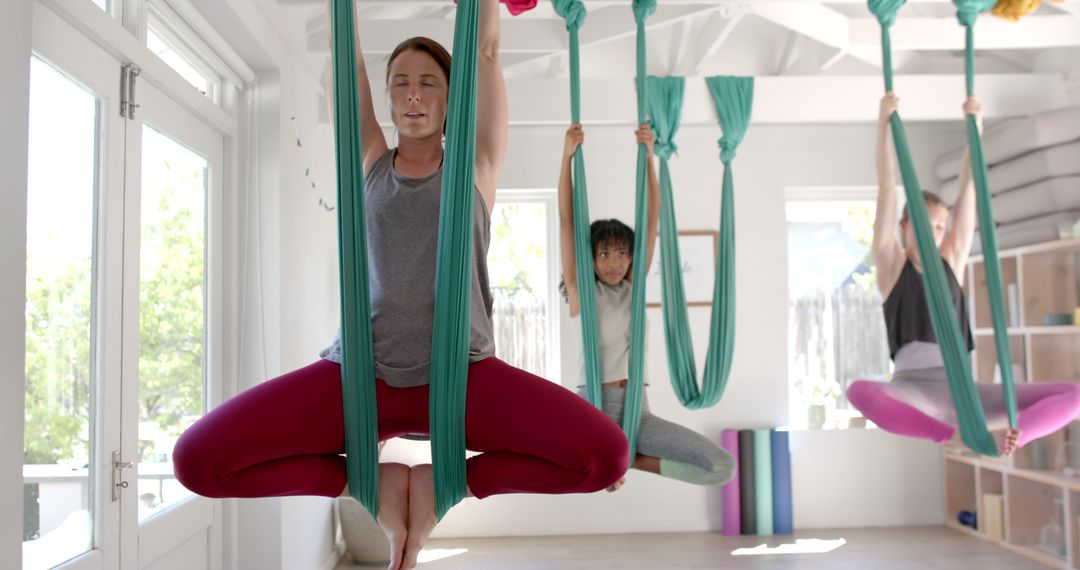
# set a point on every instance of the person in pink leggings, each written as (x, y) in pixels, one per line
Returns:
(287, 435)
(917, 403)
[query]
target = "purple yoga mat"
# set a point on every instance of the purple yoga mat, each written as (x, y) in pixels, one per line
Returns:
(729, 440)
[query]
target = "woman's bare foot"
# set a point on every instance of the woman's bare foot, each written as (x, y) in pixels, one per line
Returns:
(421, 512)
(1007, 439)
(617, 485)
(394, 509)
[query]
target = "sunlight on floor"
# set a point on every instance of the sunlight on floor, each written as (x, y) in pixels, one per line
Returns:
(800, 546)
(433, 554)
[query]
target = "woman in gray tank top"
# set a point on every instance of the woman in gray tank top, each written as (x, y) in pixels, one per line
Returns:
(663, 447)
(918, 402)
(286, 436)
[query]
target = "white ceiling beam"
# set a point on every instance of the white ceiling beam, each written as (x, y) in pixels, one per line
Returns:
(791, 53)
(593, 4)
(729, 24)
(603, 30)
(382, 36)
(787, 100)
(930, 34)
(814, 21)
(1067, 7)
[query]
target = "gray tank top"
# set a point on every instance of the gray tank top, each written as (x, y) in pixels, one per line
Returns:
(403, 234)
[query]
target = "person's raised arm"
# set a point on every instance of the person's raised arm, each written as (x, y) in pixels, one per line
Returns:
(956, 247)
(645, 135)
(575, 136)
(492, 116)
(888, 255)
(372, 139)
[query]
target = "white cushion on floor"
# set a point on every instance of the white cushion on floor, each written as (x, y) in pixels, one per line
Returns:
(364, 538)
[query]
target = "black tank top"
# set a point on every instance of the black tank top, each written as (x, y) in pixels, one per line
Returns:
(907, 313)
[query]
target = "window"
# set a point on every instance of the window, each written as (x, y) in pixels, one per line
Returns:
(61, 327)
(522, 274)
(169, 45)
(836, 330)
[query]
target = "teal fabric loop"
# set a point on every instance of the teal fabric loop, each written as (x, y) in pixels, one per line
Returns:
(573, 11)
(665, 99)
(885, 10)
(643, 9)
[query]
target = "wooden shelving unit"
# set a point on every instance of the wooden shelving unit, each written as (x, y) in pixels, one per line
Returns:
(1032, 483)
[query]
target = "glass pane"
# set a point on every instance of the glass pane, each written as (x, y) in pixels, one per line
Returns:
(837, 334)
(60, 379)
(171, 317)
(518, 270)
(174, 59)
(103, 4)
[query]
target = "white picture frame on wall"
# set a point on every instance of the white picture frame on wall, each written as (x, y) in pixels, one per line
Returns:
(697, 251)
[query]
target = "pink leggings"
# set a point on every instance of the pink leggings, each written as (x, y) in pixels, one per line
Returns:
(286, 436)
(922, 407)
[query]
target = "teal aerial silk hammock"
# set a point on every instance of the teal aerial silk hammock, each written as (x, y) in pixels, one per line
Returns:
(967, 11)
(573, 11)
(357, 355)
(969, 409)
(733, 97)
(636, 376)
(450, 337)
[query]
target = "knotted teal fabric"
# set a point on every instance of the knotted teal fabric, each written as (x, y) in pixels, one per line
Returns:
(573, 11)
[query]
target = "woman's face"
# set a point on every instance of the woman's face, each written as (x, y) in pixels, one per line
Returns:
(418, 95)
(939, 223)
(612, 260)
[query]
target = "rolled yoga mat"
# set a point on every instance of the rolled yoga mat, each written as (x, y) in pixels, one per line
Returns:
(747, 498)
(729, 492)
(781, 481)
(763, 481)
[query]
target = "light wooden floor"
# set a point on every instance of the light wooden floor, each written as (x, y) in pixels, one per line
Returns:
(867, 549)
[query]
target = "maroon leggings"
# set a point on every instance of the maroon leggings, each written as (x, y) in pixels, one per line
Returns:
(286, 436)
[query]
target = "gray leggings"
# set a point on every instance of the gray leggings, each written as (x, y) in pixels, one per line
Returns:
(686, 454)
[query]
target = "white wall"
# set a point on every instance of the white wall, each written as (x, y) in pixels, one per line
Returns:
(833, 474)
(291, 297)
(14, 100)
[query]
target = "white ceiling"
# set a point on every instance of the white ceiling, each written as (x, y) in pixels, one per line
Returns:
(763, 38)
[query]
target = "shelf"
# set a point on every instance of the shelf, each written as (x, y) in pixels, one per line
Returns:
(1033, 553)
(1016, 331)
(1045, 477)
(1037, 555)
